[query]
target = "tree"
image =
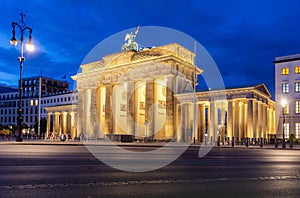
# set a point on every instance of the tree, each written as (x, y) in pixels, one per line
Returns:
(43, 126)
(293, 137)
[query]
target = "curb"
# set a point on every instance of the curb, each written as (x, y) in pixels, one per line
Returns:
(56, 143)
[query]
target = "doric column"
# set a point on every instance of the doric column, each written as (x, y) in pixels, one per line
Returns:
(222, 132)
(195, 122)
(76, 133)
(260, 119)
(56, 123)
(201, 121)
(87, 109)
(245, 113)
(250, 118)
(264, 118)
(181, 115)
(131, 107)
(241, 120)
(149, 101)
(270, 122)
(80, 110)
(169, 126)
(72, 118)
(188, 124)
(229, 120)
(64, 122)
(213, 120)
(236, 121)
(108, 110)
(255, 117)
(48, 124)
(60, 123)
(274, 121)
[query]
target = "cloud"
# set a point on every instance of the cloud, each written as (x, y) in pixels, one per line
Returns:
(243, 37)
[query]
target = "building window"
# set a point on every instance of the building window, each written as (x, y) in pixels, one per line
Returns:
(286, 109)
(297, 129)
(285, 71)
(297, 109)
(297, 87)
(286, 128)
(285, 87)
(297, 70)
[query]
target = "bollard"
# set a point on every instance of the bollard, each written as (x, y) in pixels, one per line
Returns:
(291, 142)
(228, 140)
(205, 140)
(276, 143)
(261, 142)
(247, 142)
(283, 143)
(232, 142)
(211, 140)
(218, 141)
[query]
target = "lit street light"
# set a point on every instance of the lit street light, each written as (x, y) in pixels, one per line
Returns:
(283, 104)
(30, 47)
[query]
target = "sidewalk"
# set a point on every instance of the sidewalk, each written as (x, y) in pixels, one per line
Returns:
(147, 144)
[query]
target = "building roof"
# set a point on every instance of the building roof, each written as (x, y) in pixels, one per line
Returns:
(260, 91)
(7, 89)
(287, 58)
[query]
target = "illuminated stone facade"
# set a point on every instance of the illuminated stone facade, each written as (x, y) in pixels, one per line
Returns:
(61, 120)
(150, 94)
(237, 112)
(133, 92)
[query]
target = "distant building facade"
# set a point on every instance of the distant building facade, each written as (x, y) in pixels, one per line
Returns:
(287, 87)
(9, 99)
(48, 86)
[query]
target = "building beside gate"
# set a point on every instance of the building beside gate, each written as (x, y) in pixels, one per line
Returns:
(287, 87)
(233, 112)
(59, 109)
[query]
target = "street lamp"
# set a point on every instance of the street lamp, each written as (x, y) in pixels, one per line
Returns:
(30, 47)
(283, 104)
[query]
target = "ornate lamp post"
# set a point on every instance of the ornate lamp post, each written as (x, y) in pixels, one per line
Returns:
(283, 104)
(29, 46)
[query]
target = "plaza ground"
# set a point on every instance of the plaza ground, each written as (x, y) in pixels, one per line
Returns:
(56, 169)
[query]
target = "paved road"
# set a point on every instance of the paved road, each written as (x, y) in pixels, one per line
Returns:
(71, 171)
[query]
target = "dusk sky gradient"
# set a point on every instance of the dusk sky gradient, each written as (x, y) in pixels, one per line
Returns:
(242, 36)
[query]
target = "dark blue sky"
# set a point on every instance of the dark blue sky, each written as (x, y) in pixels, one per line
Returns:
(242, 36)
